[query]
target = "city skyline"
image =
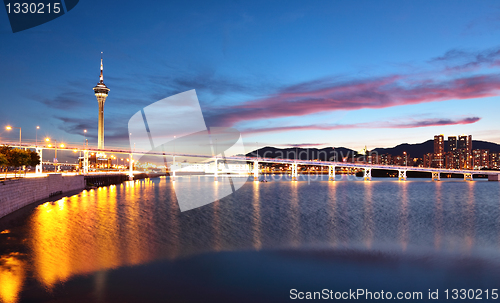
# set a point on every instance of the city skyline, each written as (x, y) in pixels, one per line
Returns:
(335, 82)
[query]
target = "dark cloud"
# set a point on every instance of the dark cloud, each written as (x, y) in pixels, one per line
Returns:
(457, 60)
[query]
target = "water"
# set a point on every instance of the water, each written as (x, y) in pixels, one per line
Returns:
(130, 242)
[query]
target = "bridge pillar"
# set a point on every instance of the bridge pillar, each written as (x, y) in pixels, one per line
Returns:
(331, 172)
(85, 164)
(131, 167)
(216, 173)
(294, 172)
(368, 174)
(468, 177)
(173, 168)
(256, 170)
(436, 176)
(402, 175)
(39, 167)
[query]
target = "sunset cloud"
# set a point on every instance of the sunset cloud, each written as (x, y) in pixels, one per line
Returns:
(411, 124)
(325, 95)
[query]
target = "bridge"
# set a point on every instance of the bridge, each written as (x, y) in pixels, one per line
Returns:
(366, 167)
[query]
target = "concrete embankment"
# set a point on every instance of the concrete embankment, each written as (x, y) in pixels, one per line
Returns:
(18, 193)
(15, 194)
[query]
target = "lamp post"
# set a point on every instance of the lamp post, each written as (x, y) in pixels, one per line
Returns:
(36, 132)
(84, 137)
(406, 158)
(10, 128)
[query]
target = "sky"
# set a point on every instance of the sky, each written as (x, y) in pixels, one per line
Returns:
(283, 73)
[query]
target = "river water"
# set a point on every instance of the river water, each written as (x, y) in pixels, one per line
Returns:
(131, 243)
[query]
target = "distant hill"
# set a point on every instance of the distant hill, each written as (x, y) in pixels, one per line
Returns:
(337, 153)
(420, 149)
(323, 154)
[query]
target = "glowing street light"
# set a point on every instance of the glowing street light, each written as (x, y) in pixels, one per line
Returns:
(10, 128)
(84, 137)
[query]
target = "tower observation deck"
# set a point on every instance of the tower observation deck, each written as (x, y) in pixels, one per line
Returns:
(101, 93)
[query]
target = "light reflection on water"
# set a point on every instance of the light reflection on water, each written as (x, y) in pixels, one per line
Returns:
(139, 222)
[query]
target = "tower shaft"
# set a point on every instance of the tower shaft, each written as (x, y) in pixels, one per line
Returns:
(100, 128)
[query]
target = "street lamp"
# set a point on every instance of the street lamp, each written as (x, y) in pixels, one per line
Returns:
(37, 128)
(10, 128)
(84, 137)
(406, 159)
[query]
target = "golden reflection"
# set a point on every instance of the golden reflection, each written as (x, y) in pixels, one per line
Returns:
(107, 246)
(12, 274)
(368, 226)
(84, 234)
(257, 244)
(51, 241)
(470, 218)
(404, 214)
(133, 250)
(438, 224)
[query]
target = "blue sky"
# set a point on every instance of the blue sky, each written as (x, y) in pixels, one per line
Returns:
(316, 73)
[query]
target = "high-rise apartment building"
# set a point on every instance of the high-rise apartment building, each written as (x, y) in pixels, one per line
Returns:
(465, 143)
(481, 158)
(452, 143)
(464, 148)
(438, 158)
(428, 159)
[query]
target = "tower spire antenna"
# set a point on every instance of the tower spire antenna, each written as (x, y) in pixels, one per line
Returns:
(101, 78)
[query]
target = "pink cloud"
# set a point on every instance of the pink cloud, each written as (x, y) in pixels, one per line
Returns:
(322, 95)
(411, 124)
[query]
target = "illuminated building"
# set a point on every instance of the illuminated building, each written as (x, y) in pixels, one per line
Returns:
(465, 142)
(101, 93)
(438, 158)
(465, 151)
(452, 144)
(481, 158)
(451, 159)
(495, 160)
(428, 159)
(385, 159)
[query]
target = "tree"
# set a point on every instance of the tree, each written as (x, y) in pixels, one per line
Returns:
(3, 160)
(18, 157)
(34, 158)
